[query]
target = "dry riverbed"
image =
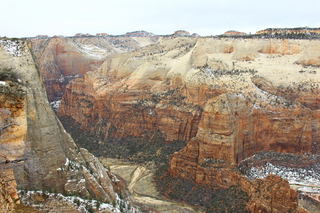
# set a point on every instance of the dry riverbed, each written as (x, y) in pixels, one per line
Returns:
(138, 179)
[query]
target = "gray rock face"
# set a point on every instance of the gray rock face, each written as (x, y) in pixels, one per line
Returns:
(53, 161)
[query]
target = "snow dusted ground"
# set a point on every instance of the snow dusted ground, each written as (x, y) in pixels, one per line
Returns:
(13, 47)
(94, 51)
(55, 105)
(80, 204)
(91, 50)
(299, 176)
(301, 171)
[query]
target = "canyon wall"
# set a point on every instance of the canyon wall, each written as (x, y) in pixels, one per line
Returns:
(61, 59)
(227, 93)
(36, 152)
(229, 98)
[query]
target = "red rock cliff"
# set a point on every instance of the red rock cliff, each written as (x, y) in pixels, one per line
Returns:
(228, 105)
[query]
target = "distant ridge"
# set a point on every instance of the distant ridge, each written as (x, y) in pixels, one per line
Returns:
(303, 32)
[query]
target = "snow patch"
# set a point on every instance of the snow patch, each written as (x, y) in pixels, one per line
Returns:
(55, 105)
(295, 176)
(82, 205)
(12, 47)
(308, 189)
(90, 50)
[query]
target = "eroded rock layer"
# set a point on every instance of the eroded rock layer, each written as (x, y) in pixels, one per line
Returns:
(188, 87)
(228, 98)
(61, 59)
(36, 152)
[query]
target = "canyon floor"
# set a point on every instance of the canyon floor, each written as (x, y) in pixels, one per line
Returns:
(138, 179)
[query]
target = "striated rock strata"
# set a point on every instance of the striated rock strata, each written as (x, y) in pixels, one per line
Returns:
(228, 98)
(188, 87)
(37, 151)
(61, 59)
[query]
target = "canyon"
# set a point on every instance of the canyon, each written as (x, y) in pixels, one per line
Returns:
(222, 113)
(36, 152)
(228, 98)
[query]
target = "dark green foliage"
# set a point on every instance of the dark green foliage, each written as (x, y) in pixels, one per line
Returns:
(151, 146)
(11, 39)
(77, 202)
(13, 89)
(7, 74)
(207, 197)
(232, 199)
(89, 208)
(98, 204)
(275, 36)
(172, 97)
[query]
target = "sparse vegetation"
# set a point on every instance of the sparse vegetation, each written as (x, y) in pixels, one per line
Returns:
(151, 146)
(207, 197)
(12, 88)
(275, 36)
(7, 74)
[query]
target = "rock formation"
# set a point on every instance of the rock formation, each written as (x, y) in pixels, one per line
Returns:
(271, 195)
(36, 151)
(189, 86)
(7, 203)
(61, 59)
(229, 98)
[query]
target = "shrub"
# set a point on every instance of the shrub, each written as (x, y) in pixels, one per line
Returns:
(207, 197)
(7, 74)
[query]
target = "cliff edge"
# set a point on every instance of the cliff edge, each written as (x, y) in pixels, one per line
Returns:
(35, 149)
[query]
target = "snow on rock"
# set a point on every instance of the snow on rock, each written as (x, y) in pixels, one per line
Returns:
(12, 46)
(55, 105)
(303, 171)
(90, 50)
(31, 198)
(300, 176)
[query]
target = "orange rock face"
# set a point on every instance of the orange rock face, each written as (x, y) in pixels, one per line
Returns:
(62, 59)
(130, 113)
(13, 131)
(271, 195)
(59, 61)
(224, 97)
(232, 117)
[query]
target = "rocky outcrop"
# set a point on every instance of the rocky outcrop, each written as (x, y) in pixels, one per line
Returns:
(6, 201)
(42, 154)
(148, 112)
(272, 194)
(245, 118)
(227, 97)
(62, 59)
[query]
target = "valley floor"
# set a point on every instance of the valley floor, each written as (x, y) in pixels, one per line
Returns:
(142, 191)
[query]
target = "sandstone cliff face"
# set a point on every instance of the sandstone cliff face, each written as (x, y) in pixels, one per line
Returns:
(13, 130)
(228, 98)
(272, 194)
(189, 87)
(7, 204)
(49, 159)
(62, 59)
